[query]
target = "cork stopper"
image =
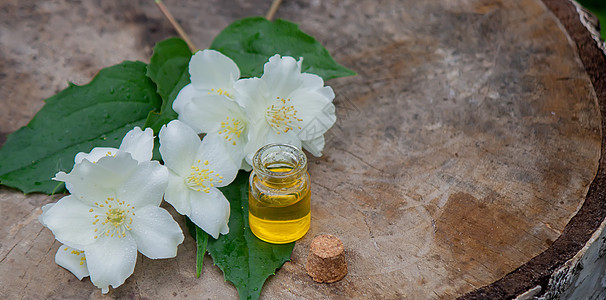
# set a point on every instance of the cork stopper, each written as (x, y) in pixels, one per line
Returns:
(326, 261)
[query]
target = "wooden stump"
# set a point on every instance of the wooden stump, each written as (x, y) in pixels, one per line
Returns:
(462, 149)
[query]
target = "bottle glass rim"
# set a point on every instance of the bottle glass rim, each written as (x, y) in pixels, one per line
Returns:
(276, 155)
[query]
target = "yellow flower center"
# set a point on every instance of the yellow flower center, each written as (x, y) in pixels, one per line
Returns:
(112, 218)
(232, 129)
(282, 117)
(201, 178)
(116, 216)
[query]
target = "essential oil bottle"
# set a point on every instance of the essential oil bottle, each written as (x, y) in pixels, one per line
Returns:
(279, 198)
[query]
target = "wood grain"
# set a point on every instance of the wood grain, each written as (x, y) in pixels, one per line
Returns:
(462, 149)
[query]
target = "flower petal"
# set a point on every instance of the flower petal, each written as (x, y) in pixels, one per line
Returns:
(94, 182)
(290, 138)
(121, 164)
(267, 135)
(311, 81)
(253, 97)
(156, 233)
(72, 260)
(70, 221)
(314, 146)
(178, 146)
(283, 74)
(257, 137)
(139, 144)
(45, 208)
(210, 69)
(87, 182)
(327, 92)
(235, 151)
(111, 260)
(206, 112)
(177, 194)
(145, 185)
(219, 160)
(95, 154)
(316, 111)
(210, 211)
(185, 95)
(245, 166)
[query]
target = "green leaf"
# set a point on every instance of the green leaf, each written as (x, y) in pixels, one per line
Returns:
(250, 42)
(201, 238)
(245, 260)
(201, 242)
(74, 120)
(168, 68)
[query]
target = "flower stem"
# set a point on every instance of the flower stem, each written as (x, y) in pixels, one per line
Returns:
(272, 10)
(175, 25)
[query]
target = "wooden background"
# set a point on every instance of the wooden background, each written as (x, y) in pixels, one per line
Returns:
(463, 147)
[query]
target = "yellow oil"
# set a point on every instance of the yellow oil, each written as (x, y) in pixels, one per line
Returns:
(279, 219)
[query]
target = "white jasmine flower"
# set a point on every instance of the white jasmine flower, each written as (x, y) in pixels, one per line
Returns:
(286, 106)
(113, 212)
(137, 142)
(196, 169)
(207, 103)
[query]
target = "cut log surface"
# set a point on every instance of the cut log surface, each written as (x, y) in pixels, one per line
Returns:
(462, 148)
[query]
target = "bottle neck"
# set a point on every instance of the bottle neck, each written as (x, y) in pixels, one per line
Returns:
(279, 163)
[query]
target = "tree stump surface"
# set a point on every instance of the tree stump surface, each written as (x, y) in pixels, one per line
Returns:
(463, 147)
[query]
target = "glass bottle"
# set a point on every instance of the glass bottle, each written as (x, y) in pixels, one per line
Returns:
(279, 196)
